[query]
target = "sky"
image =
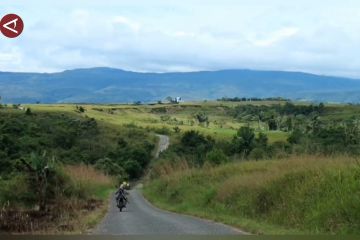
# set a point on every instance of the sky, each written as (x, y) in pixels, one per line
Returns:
(321, 36)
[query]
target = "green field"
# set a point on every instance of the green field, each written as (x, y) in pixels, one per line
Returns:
(221, 125)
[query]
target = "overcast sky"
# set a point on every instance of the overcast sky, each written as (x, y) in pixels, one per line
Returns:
(319, 36)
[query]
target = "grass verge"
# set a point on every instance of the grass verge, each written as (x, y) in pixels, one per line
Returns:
(300, 195)
(80, 202)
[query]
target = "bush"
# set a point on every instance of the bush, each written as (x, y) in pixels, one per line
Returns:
(295, 137)
(196, 146)
(28, 112)
(133, 168)
(257, 153)
(14, 192)
(110, 167)
(216, 157)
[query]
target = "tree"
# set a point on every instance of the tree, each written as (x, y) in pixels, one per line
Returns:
(169, 99)
(193, 139)
(262, 140)
(244, 140)
(110, 167)
(39, 169)
(272, 124)
(202, 118)
(295, 137)
(177, 129)
(28, 112)
(80, 109)
(288, 124)
(321, 108)
(133, 168)
(195, 143)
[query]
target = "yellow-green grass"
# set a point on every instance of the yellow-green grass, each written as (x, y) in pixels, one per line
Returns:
(298, 195)
(95, 188)
(221, 126)
(90, 182)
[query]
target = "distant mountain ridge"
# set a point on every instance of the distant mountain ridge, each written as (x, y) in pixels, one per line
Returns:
(109, 85)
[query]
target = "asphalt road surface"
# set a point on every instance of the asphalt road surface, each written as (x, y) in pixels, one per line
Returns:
(141, 218)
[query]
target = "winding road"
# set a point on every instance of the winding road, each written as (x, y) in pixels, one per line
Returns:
(163, 144)
(141, 218)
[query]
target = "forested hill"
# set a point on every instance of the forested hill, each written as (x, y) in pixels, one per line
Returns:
(107, 85)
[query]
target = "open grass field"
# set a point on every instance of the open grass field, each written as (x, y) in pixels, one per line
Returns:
(158, 116)
(221, 125)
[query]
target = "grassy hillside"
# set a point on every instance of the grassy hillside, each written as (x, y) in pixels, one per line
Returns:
(159, 116)
(297, 195)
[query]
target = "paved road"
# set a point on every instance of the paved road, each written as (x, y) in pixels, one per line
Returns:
(164, 142)
(140, 218)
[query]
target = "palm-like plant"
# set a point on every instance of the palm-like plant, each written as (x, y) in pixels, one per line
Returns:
(38, 167)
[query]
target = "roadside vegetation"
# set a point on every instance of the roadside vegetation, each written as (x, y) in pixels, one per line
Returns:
(294, 196)
(265, 165)
(58, 169)
(304, 183)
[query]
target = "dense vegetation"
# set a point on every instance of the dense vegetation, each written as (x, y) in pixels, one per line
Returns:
(218, 178)
(39, 150)
(253, 99)
(309, 129)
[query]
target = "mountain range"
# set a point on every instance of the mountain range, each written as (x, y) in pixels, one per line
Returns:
(109, 85)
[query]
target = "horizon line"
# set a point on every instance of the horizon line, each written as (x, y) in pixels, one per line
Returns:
(183, 72)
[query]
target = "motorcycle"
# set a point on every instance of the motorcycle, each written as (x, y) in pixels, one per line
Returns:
(121, 202)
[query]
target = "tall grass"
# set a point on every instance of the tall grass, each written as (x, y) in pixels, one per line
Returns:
(301, 194)
(89, 182)
(79, 201)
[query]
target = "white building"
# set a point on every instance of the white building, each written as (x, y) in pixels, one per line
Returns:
(178, 99)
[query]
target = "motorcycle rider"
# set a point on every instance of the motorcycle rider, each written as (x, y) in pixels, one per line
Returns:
(121, 194)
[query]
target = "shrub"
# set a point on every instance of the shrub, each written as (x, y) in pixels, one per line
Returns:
(195, 144)
(216, 157)
(257, 153)
(133, 168)
(110, 167)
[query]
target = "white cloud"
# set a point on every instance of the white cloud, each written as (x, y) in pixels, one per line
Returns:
(321, 36)
(276, 37)
(127, 22)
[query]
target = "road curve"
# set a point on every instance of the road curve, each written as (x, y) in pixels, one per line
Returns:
(163, 144)
(140, 218)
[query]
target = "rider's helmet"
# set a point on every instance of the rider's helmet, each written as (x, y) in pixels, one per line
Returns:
(123, 185)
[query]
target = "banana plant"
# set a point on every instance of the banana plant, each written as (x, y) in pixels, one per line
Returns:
(39, 168)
